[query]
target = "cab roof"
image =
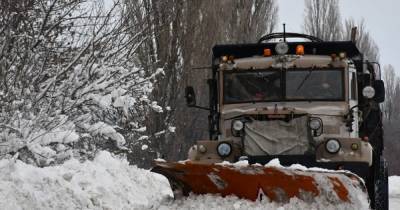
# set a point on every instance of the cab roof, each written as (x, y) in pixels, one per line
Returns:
(311, 48)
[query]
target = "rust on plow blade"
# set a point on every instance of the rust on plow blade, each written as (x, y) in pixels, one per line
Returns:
(254, 181)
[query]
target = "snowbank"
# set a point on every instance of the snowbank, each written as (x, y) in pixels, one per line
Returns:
(105, 183)
(394, 192)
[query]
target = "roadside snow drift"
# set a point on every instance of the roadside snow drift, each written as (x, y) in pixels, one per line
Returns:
(394, 192)
(110, 183)
(105, 183)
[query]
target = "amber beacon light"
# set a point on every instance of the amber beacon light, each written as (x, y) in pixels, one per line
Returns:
(300, 50)
(267, 52)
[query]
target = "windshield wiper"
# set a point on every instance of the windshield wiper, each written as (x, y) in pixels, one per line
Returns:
(304, 80)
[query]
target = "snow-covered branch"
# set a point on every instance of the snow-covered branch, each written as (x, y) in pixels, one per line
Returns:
(69, 81)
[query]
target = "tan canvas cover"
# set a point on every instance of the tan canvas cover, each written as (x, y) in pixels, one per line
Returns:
(277, 137)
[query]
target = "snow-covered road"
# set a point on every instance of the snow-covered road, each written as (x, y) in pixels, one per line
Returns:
(394, 192)
(109, 183)
(394, 202)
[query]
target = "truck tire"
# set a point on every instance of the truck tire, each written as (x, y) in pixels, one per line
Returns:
(381, 186)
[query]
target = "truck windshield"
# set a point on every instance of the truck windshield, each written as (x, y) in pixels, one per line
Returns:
(290, 85)
(252, 86)
(314, 85)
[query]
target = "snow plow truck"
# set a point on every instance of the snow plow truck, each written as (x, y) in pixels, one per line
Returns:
(298, 99)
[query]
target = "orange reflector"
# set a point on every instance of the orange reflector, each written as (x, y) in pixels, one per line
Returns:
(267, 52)
(300, 50)
(231, 58)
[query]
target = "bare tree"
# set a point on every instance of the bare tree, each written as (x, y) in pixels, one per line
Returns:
(396, 99)
(391, 109)
(364, 41)
(245, 21)
(389, 77)
(322, 19)
(182, 35)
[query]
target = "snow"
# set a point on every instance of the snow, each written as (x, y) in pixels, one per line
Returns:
(160, 160)
(159, 133)
(242, 163)
(104, 183)
(206, 202)
(40, 141)
(172, 129)
(142, 138)
(141, 129)
(274, 163)
(101, 128)
(102, 101)
(144, 147)
(57, 135)
(125, 102)
(394, 192)
(156, 107)
(108, 182)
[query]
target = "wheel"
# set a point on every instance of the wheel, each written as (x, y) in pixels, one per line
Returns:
(381, 186)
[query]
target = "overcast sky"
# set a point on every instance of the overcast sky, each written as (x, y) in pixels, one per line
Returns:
(382, 19)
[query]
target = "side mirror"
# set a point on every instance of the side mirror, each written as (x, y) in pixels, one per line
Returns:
(379, 87)
(190, 96)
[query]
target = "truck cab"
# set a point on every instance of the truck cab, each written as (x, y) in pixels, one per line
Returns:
(305, 102)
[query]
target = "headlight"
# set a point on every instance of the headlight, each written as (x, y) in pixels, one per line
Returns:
(332, 146)
(281, 48)
(224, 149)
(315, 123)
(237, 125)
(368, 92)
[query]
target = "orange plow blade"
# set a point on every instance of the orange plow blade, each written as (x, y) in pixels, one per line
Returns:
(255, 182)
